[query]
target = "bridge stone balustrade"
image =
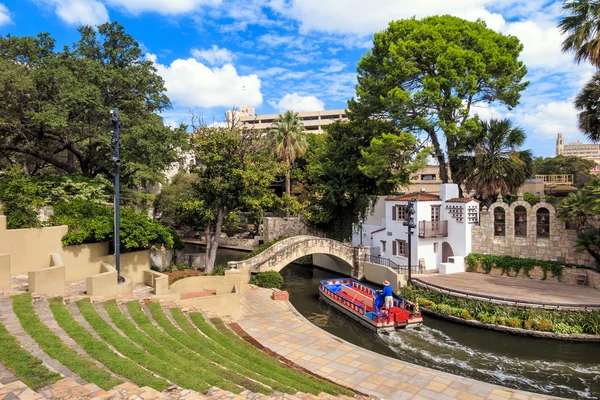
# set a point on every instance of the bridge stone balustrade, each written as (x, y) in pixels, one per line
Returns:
(286, 251)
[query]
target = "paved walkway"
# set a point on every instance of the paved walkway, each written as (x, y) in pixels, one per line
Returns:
(516, 289)
(278, 326)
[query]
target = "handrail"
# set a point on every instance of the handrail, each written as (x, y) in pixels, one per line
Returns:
(389, 263)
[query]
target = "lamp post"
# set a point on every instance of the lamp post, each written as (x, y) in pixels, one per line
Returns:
(116, 158)
(410, 223)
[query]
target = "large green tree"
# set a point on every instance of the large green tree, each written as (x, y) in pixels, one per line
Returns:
(578, 167)
(426, 76)
(581, 27)
(492, 161)
(55, 105)
(290, 142)
(235, 169)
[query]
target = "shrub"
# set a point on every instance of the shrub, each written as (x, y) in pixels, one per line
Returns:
(529, 324)
(568, 329)
(466, 315)
(268, 279)
(500, 320)
(485, 318)
(219, 270)
(513, 322)
(512, 266)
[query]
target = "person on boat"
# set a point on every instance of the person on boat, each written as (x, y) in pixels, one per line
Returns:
(388, 294)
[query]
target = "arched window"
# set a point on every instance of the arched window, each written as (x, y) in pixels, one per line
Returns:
(543, 223)
(520, 221)
(499, 222)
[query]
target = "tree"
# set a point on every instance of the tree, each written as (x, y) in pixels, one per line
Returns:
(587, 103)
(290, 142)
(426, 75)
(581, 30)
(55, 106)
(235, 169)
(492, 162)
(169, 202)
(392, 159)
(578, 167)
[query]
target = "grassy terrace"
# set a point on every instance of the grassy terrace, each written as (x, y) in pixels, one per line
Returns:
(101, 352)
(55, 348)
(148, 360)
(26, 367)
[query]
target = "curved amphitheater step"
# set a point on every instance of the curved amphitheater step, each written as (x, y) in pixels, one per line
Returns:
(13, 326)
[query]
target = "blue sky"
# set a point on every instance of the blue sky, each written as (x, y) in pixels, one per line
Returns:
(302, 54)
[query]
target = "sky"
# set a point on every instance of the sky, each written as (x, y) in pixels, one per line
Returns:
(276, 55)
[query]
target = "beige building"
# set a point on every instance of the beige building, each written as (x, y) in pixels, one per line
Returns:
(313, 121)
(579, 149)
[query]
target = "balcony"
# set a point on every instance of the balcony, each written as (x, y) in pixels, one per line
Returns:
(431, 229)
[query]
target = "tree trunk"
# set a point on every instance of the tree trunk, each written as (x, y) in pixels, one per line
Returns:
(288, 186)
(212, 242)
(439, 155)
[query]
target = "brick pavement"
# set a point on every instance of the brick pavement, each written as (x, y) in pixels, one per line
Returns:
(278, 326)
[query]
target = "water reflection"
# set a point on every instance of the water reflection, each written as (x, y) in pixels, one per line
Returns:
(551, 367)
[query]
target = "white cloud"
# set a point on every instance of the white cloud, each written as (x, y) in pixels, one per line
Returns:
(334, 66)
(546, 120)
(161, 6)
(192, 84)
(81, 12)
(334, 15)
(298, 103)
(214, 55)
(4, 15)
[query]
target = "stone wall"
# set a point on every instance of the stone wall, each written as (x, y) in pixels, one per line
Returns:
(274, 228)
(559, 246)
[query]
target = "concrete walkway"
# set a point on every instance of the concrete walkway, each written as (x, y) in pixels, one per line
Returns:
(278, 326)
(516, 289)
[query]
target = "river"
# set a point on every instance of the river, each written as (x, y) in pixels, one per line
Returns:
(552, 367)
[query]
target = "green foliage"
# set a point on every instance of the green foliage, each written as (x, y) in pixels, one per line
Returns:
(168, 204)
(219, 270)
(588, 120)
(56, 105)
(262, 248)
(571, 165)
(268, 279)
(512, 266)
(392, 159)
(579, 26)
(90, 223)
(490, 313)
(491, 161)
(21, 200)
(424, 76)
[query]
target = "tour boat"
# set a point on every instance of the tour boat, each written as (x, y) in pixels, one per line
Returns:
(365, 305)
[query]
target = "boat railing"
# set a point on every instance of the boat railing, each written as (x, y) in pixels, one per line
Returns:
(389, 263)
(356, 306)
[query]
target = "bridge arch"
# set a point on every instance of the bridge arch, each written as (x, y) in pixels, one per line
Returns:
(282, 253)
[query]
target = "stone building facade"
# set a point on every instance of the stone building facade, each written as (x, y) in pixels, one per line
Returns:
(522, 230)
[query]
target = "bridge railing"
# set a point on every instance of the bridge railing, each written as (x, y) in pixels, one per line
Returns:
(390, 264)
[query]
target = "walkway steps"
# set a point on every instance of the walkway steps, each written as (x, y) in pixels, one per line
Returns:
(13, 326)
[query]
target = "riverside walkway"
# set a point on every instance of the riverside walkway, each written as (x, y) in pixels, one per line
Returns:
(278, 326)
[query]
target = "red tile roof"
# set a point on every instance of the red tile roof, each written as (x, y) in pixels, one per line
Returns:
(461, 200)
(419, 196)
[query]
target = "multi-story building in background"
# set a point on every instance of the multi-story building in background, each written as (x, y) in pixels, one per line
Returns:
(590, 151)
(313, 121)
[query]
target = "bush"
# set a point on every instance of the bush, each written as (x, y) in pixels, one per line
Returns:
(219, 270)
(568, 329)
(268, 279)
(512, 266)
(513, 322)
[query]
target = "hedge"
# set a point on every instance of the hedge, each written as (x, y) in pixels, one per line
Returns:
(512, 266)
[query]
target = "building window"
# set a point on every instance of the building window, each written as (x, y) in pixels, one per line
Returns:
(383, 247)
(428, 177)
(402, 248)
(435, 247)
(571, 225)
(435, 213)
(499, 222)
(394, 248)
(543, 223)
(520, 221)
(399, 213)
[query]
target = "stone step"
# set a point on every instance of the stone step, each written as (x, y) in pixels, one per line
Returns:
(13, 326)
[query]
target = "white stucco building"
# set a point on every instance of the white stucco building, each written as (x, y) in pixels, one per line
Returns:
(442, 237)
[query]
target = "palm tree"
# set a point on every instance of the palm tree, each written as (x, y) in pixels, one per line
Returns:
(588, 104)
(290, 139)
(492, 163)
(582, 29)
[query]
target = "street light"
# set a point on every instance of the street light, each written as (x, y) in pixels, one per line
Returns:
(410, 223)
(116, 159)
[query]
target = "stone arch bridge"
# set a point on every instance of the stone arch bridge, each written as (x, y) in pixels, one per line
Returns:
(288, 250)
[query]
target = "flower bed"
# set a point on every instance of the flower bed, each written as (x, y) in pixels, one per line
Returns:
(485, 313)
